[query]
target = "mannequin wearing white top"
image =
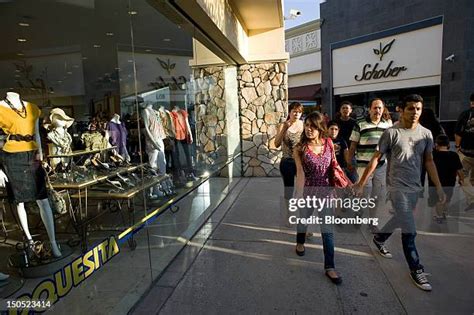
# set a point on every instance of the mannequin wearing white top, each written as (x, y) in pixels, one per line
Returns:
(44, 206)
(155, 147)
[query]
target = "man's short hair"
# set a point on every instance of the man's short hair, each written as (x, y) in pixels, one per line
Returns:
(472, 97)
(412, 98)
(442, 140)
(376, 99)
(345, 103)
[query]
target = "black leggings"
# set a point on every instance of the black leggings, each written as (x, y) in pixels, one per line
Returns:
(288, 173)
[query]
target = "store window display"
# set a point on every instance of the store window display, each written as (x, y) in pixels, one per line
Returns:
(61, 140)
(155, 147)
(118, 136)
(183, 138)
(22, 172)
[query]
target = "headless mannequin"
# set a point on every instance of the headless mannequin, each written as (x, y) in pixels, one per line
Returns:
(44, 206)
(121, 146)
(184, 139)
(154, 142)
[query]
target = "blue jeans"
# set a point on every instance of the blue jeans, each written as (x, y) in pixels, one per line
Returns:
(403, 203)
(326, 234)
(288, 173)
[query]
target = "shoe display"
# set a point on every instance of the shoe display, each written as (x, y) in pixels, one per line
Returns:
(383, 251)
(420, 280)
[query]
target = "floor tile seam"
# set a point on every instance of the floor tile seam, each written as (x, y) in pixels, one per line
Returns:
(204, 243)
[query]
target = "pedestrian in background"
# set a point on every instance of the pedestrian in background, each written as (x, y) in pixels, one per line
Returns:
(364, 140)
(346, 125)
(464, 137)
(429, 121)
(313, 157)
(449, 167)
(288, 137)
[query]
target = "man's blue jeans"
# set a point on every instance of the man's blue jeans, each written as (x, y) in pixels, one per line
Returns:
(326, 234)
(403, 203)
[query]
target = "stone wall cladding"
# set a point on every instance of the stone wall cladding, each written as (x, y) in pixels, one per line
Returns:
(210, 112)
(263, 99)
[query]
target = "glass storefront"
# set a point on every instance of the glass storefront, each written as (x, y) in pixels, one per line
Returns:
(135, 144)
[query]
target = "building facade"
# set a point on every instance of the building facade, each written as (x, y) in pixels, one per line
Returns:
(303, 43)
(392, 48)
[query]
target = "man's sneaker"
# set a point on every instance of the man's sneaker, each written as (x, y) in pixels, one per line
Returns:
(420, 280)
(383, 251)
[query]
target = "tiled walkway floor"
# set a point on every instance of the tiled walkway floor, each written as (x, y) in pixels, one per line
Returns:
(242, 261)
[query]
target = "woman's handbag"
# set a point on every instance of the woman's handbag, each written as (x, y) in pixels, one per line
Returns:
(57, 199)
(337, 176)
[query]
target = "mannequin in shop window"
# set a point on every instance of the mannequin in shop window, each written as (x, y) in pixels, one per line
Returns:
(60, 138)
(118, 136)
(183, 136)
(170, 149)
(21, 159)
(155, 147)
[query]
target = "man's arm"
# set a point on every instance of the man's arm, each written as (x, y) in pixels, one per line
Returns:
(433, 173)
(367, 172)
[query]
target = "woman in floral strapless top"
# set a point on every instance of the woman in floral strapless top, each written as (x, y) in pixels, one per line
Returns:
(313, 158)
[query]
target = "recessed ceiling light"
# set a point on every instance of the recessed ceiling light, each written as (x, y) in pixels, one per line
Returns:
(69, 72)
(75, 66)
(24, 24)
(20, 54)
(60, 81)
(21, 40)
(132, 12)
(167, 40)
(129, 60)
(148, 50)
(118, 69)
(109, 34)
(17, 75)
(84, 58)
(97, 46)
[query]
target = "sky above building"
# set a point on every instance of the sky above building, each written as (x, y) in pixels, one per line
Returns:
(309, 11)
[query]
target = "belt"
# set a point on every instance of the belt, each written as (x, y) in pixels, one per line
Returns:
(26, 138)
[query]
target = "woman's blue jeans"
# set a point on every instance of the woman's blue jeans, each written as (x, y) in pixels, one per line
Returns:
(326, 234)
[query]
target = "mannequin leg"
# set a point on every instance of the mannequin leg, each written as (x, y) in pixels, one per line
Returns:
(153, 161)
(48, 220)
(24, 220)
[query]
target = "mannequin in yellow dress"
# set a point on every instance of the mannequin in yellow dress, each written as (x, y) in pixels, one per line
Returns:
(21, 159)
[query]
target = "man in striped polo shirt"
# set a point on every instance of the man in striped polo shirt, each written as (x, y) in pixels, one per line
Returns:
(364, 139)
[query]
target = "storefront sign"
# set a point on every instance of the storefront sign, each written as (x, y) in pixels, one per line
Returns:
(70, 276)
(396, 61)
(370, 72)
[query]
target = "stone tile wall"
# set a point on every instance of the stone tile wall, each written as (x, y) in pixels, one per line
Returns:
(263, 103)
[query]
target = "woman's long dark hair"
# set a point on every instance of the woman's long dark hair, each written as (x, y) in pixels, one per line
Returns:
(317, 121)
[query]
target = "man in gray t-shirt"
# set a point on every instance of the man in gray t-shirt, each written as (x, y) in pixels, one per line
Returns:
(406, 145)
(405, 149)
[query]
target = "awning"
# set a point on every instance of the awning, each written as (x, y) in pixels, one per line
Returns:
(305, 93)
